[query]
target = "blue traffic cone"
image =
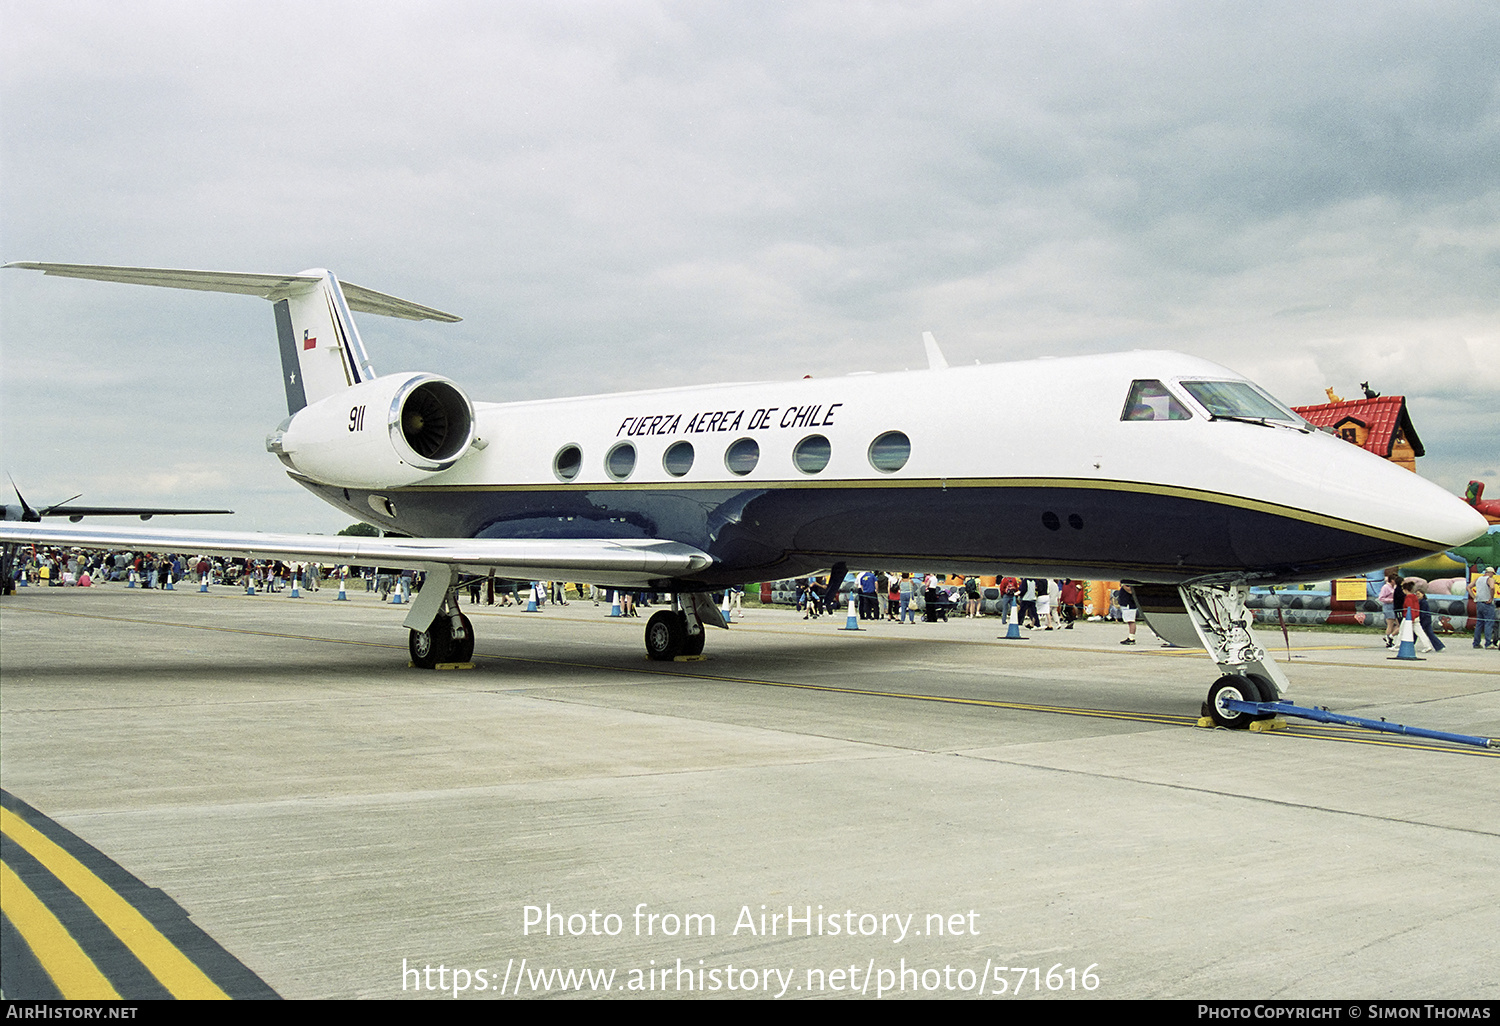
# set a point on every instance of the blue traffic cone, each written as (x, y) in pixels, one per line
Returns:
(614, 603)
(531, 600)
(168, 586)
(852, 624)
(342, 597)
(1408, 646)
(249, 585)
(1013, 630)
(130, 583)
(203, 584)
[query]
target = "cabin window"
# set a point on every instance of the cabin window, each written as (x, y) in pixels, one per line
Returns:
(890, 451)
(620, 461)
(812, 453)
(678, 459)
(1150, 400)
(567, 462)
(1238, 399)
(742, 456)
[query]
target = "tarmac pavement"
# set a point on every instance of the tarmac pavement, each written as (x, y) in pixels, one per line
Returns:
(944, 813)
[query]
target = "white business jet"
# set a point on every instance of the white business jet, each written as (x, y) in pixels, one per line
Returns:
(1155, 468)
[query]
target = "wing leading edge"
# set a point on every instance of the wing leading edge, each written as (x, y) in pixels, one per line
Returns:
(596, 560)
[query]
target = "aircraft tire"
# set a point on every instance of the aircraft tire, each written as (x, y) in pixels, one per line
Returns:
(1232, 685)
(430, 647)
(665, 635)
(463, 651)
(1267, 693)
(692, 644)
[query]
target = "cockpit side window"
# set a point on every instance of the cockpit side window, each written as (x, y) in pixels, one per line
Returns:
(1238, 399)
(1150, 400)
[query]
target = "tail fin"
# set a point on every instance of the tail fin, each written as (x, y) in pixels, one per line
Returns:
(321, 352)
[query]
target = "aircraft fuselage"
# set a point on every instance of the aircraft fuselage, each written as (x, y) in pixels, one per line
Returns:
(1028, 468)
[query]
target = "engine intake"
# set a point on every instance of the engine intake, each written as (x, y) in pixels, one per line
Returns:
(435, 423)
(428, 427)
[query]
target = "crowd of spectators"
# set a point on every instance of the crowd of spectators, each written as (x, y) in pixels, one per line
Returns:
(85, 568)
(1040, 603)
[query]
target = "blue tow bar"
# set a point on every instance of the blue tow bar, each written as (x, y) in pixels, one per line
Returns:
(1324, 716)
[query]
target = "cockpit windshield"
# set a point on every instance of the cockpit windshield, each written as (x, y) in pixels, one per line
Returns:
(1150, 400)
(1239, 400)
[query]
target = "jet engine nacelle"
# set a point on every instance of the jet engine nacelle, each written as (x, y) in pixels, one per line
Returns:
(391, 431)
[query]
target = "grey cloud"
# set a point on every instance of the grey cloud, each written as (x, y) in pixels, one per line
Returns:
(633, 194)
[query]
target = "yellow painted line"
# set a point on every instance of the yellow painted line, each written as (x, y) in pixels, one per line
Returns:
(176, 971)
(1275, 650)
(1113, 714)
(1295, 730)
(1321, 732)
(1392, 663)
(210, 627)
(1166, 719)
(76, 975)
(1110, 714)
(1042, 644)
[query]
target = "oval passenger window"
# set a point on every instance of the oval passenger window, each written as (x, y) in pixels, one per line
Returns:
(620, 461)
(742, 456)
(811, 454)
(678, 459)
(890, 451)
(567, 462)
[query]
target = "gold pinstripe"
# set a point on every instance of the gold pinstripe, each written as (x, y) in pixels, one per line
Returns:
(1082, 484)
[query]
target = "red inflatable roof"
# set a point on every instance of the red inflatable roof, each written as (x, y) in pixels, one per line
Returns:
(1381, 416)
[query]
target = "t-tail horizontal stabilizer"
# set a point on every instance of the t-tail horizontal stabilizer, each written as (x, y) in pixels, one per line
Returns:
(321, 352)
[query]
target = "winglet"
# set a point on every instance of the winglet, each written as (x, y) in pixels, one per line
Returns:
(935, 358)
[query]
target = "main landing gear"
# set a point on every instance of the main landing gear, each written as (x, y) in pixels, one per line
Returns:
(450, 639)
(679, 631)
(439, 633)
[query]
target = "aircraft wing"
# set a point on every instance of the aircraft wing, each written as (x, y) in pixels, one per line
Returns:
(77, 513)
(621, 562)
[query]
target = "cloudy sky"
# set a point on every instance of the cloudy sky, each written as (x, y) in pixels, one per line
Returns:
(632, 194)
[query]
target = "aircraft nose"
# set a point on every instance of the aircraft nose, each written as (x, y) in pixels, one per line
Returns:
(1389, 498)
(1438, 515)
(1465, 524)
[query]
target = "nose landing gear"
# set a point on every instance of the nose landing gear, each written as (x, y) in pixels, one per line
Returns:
(1238, 687)
(1222, 623)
